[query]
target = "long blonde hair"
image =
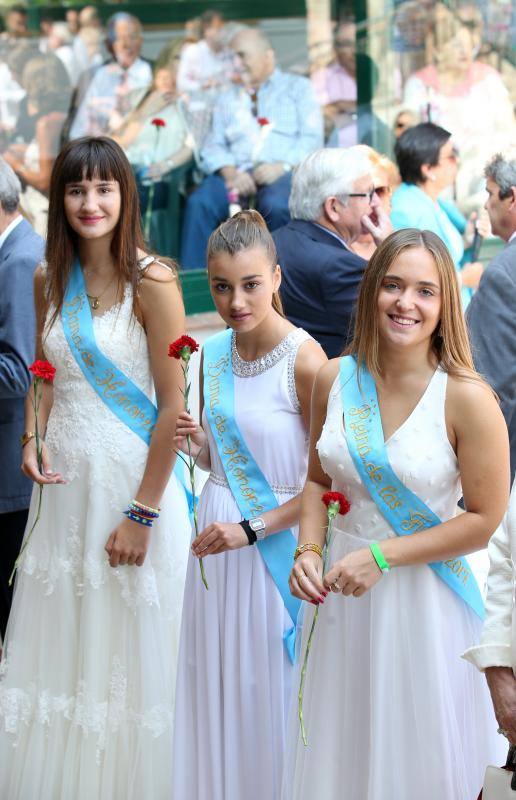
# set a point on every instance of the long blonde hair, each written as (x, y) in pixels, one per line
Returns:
(449, 341)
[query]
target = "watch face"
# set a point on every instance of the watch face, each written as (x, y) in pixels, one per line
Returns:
(257, 524)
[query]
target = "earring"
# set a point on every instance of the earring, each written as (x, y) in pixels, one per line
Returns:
(432, 177)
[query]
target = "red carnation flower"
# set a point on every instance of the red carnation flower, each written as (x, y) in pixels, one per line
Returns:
(158, 122)
(183, 348)
(339, 502)
(262, 121)
(43, 370)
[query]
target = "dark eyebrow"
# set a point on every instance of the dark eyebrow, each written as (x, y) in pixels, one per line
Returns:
(420, 283)
(245, 278)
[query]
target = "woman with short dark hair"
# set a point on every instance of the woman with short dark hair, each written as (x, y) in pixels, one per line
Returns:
(428, 162)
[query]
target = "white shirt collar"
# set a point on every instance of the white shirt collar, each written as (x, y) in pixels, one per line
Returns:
(512, 236)
(335, 235)
(10, 228)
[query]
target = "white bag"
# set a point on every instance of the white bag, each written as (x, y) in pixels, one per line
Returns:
(497, 784)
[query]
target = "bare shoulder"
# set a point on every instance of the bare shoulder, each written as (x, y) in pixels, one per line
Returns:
(470, 400)
(466, 392)
(310, 358)
(326, 376)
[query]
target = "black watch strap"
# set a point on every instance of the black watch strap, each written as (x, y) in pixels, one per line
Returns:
(251, 535)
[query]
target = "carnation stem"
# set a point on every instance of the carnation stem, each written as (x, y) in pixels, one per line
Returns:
(148, 213)
(327, 544)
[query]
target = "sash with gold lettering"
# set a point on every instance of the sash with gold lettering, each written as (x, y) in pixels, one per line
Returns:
(116, 390)
(405, 512)
(248, 484)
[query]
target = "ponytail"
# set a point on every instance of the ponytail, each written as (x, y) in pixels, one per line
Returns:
(244, 231)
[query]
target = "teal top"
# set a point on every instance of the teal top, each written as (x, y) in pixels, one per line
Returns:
(413, 208)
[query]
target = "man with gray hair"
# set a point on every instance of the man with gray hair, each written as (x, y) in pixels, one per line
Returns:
(332, 202)
(492, 311)
(21, 249)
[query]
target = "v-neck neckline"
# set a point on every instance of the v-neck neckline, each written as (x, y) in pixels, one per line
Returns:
(405, 421)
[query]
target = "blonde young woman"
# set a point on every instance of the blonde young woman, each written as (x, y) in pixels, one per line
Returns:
(235, 662)
(390, 709)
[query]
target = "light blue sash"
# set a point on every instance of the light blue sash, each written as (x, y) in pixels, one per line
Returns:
(249, 486)
(116, 390)
(404, 511)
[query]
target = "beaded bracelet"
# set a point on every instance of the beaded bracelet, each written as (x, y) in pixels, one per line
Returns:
(147, 514)
(142, 507)
(138, 518)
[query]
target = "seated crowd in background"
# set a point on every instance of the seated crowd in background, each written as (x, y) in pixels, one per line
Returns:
(236, 125)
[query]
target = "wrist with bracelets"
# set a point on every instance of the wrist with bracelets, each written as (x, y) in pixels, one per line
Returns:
(142, 514)
(379, 557)
(307, 547)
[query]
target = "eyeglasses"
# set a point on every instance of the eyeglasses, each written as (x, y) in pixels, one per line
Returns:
(370, 194)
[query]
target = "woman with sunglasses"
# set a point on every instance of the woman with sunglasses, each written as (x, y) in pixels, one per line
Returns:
(386, 179)
(428, 163)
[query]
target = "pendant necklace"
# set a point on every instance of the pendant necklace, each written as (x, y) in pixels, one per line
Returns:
(93, 300)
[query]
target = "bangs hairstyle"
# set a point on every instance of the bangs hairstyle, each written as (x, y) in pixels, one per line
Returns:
(449, 341)
(245, 231)
(92, 158)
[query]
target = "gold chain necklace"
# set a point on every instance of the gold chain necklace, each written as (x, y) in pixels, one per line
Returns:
(93, 300)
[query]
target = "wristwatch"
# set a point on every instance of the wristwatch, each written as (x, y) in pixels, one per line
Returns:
(257, 525)
(254, 529)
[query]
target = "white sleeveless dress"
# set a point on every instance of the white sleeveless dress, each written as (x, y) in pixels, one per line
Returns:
(87, 684)
(392, 711)
(234, 675)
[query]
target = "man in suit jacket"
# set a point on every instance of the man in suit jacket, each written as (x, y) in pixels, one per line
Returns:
(21, 249)
(492, 311)
(332, 203)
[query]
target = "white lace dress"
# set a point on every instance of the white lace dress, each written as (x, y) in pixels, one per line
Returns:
(392, 711)
(87, 685)
(234, 675)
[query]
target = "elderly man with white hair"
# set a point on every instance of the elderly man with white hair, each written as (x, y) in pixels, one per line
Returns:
(332, 202)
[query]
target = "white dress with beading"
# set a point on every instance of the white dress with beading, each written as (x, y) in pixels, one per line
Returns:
(392, 711)
(234, 675)
(87, 683)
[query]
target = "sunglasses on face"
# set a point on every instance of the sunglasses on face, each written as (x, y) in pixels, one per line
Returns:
(383, 191)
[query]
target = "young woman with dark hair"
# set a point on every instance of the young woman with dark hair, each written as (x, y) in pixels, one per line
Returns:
(428, 163)
(87, 686)
(235, 667)
(404, 427)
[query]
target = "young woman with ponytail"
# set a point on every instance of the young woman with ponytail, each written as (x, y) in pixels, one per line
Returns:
(236, 641)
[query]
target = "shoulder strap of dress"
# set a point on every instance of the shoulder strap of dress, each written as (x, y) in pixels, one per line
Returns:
(145, 262)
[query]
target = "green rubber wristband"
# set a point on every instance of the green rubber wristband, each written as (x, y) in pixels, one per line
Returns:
(379, 557)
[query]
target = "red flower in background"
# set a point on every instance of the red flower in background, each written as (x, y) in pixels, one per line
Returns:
(183, 348)
(158, 122)
(263, 121)
(336, 498)
(43, 370)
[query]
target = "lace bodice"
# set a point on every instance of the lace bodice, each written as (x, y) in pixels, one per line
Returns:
(268, 414)
(419, 452)
(80, 423)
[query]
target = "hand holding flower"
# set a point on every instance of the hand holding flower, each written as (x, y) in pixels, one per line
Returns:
(306, 578)
(186, 426)
(219, 537)
(30, 466)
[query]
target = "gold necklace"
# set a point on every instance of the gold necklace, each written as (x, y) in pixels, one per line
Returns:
(93, 300)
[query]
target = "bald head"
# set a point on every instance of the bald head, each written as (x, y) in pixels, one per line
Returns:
(254, 56)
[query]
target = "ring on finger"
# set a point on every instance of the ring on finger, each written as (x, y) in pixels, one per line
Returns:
(336, 585)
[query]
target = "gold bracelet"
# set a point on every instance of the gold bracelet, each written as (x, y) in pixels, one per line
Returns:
(26, 437)
(308, 546)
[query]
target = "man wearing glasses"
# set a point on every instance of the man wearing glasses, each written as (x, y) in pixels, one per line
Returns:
(261, 129)
(332, 202)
